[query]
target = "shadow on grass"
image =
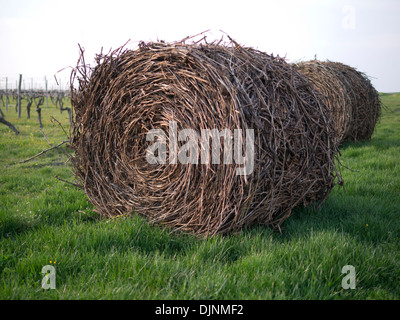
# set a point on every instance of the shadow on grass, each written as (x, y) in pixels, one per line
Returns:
(344, 213)
(13, 227)
(362, 218)
(352, 215)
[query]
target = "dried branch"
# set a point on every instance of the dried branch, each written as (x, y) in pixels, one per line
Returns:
(44, 151)
(9, 124)
(59, 123)
(74, 184)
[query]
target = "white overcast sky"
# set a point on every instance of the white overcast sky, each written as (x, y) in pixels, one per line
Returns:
(38, 38)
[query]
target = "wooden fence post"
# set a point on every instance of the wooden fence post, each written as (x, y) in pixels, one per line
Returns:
(47, 94)
(19, 96)
(6, 94)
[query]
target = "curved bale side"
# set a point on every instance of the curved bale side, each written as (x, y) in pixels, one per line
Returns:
(324, 78)
(365, 101)
(200, 87)
(354, 102)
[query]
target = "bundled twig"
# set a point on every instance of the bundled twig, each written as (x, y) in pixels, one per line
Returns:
(44, 151)
(354, 102)
(200, 86)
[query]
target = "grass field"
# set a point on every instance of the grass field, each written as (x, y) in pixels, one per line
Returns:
(44, 221)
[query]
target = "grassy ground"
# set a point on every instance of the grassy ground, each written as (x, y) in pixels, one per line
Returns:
(46, 222)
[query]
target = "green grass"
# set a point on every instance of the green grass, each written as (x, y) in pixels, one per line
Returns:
(43, 220)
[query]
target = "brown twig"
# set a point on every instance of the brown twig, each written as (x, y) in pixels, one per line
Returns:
(59, 123)
(74, 184)
(44, 151)
(48, 141)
